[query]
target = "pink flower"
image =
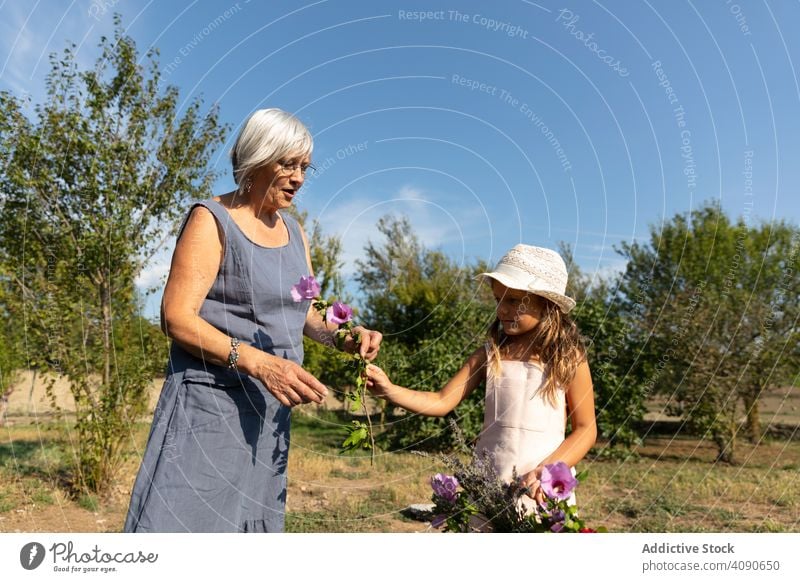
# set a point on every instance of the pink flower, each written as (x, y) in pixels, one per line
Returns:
(307, 288)
(444, 486)
(557, 480)
(339, 313)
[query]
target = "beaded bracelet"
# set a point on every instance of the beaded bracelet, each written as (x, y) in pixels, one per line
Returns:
(233, 357)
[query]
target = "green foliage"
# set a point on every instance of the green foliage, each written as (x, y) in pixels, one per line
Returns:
(11, 348)
(344, 373)
(106, 413)
(326, 256)
(433, 315)
(109, 161)
(332, 368)
(89, 502)
(619, 396)
(713, 308)
(358, 436)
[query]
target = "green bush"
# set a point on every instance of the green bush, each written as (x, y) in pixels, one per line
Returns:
(433, 315)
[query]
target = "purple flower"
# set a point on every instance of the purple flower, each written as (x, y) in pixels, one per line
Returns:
(557, 517)
(444, 486)
(557, 481)
(438, 521)
(339, 313)
(307, 288)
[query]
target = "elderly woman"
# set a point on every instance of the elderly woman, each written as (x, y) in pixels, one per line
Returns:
(216, 456)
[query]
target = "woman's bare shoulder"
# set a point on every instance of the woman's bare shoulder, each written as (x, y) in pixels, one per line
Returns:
(201, 221)
(201, 236)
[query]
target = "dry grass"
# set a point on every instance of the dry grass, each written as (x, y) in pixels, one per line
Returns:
(674, 485)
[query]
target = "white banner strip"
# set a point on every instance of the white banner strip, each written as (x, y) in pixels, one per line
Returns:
(366, 557)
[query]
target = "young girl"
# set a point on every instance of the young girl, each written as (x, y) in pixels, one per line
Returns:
(535, 369)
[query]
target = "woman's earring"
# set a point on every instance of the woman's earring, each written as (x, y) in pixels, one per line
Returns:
(247, 185)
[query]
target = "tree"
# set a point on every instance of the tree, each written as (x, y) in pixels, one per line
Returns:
(433, 315)
(10, 352)
(89, 186)
(619, 398)
(769, 335)
(714, 309)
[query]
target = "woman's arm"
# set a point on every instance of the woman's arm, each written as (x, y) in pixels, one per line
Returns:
(195, 264)
(431, 403)
(580, 403)
(323, 333)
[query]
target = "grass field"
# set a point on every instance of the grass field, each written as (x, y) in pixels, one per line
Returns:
(671, 484)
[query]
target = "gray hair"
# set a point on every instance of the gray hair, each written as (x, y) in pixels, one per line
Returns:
(267, 136)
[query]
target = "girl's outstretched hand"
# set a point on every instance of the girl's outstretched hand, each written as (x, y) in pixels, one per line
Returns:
(377, 381)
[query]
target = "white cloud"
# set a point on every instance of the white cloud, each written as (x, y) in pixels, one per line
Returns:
(354, 219)
(409, 193)
(153, 275)
(608, 271)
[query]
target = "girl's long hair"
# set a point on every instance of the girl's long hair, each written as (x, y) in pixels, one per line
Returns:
(556, 342)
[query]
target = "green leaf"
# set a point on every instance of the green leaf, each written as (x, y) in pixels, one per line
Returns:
(358, 436)
(355, 400)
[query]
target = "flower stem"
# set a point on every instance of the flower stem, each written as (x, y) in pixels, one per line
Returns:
(363, 373)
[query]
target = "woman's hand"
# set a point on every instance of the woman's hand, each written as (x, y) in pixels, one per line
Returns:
(377, 381)
(532, 481)
(370, 343)
(287, 382)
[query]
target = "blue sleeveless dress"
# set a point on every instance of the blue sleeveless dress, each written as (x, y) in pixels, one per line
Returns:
(216, 456)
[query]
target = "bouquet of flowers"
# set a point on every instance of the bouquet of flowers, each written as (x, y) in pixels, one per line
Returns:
(359, 434)
(475, 499)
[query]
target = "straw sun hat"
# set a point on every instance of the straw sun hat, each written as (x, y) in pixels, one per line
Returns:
(534, 269)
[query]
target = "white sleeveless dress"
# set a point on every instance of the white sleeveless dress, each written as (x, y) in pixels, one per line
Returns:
(521, 428)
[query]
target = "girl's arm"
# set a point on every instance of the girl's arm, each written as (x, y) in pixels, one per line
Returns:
(431, 403)
(316, 329)
(580, 403)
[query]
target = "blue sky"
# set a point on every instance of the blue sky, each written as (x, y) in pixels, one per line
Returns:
(487, 124)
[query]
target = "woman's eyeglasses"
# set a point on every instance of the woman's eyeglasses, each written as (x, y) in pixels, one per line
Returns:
(290, 167)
